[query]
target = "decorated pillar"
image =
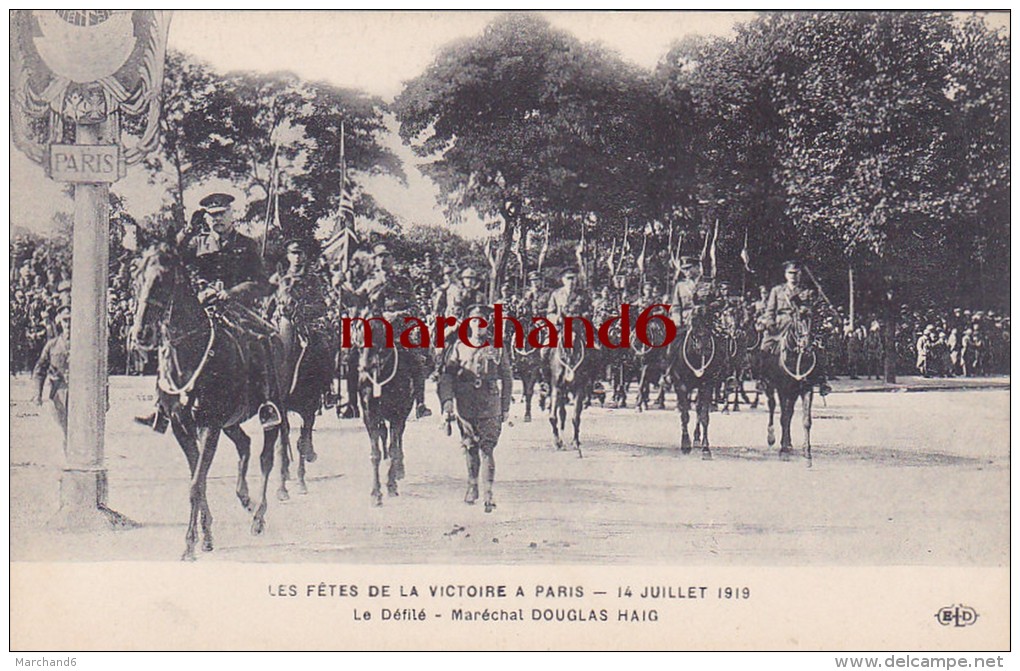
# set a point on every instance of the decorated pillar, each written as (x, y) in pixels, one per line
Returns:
(75, 75)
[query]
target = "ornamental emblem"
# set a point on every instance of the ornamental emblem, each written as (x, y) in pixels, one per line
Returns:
(86, 67)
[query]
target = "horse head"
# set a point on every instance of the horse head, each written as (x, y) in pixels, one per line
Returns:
(698, 345)
(156, 279)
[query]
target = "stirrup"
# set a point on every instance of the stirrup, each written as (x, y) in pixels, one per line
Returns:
(269, 415)
(422, 410)
(157, 421)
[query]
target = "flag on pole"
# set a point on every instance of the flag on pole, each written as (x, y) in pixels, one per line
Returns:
(641, 256)
(344, 239)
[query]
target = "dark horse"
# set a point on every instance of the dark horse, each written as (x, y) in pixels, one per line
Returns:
(789, 370)
(527, 366)
(308, 376)
(570, 374)
(205, 384)
(698, 362)
(386, 392)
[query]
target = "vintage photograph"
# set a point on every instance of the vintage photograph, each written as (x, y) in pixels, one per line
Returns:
(481, 293)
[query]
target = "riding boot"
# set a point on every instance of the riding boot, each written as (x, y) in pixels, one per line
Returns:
(157, 420)
(488, 467)
(418, 384)
(471, 454)
(269, 412)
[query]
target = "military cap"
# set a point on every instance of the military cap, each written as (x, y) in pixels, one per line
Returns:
(469, 273)
(381, 249)
(687, 261)
(62, 310)
(569, 270)
(65, 285)
(449, 268)
(295, 245)
(534, 276)
(216, 202)
(479, 310)
(791, 264)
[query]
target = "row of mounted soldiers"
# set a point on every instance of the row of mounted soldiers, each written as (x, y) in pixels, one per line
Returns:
(229, 266)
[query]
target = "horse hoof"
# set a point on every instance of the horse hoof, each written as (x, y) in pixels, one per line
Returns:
(685, 450)
(392, 490)
(706, 456)
(247, 504)
(301, 487)
(489, 506)
(310, 457)
(282, 495)
(258, 526)
(527, 419)
(207, 545)
(377, 499)
(189, 555)
(784, 454)
(471, 495)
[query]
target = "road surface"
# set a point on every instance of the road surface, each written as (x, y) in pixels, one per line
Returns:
(897, 479)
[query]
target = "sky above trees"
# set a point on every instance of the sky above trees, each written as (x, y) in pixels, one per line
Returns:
(372, 51)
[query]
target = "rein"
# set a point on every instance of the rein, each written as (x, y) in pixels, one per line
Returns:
(376, 384)
(168, 357)
(698, 372)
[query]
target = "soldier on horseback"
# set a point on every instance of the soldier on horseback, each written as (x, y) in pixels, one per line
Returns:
(388, 293)
(300, 308)
(228, 268)
(788, 303)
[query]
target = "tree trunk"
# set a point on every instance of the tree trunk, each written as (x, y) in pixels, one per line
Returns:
(498, 269)
(889, 339)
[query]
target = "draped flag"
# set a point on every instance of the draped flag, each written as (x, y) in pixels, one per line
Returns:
(344, 239)
(711, 253)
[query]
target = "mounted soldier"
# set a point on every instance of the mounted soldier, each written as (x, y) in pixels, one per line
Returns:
(788, 303)
(387, 293)
(228, 270)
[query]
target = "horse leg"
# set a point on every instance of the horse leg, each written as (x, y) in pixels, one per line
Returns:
(578, 407)
(307, 426)
(660, 400)
(284, 446)
(207, 439)
(269, 440)
(243, 444)
(554, 402)
(528, 382)
(770, 396)
(786, 403)
(564, 399)
(703, 416)
(683, 405)
(396, 471)
(488, 468)
(642, 397)
(375, 438)
(806, 398)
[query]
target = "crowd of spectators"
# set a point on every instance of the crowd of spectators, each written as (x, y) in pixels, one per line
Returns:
(932, 342)
(40, 284)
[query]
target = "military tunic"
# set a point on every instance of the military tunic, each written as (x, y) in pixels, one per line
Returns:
(478, 381)
(231, 259)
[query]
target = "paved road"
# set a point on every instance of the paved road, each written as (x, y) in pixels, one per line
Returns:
(897, 479)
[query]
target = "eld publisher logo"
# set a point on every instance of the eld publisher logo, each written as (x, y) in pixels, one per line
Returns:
(958, 616)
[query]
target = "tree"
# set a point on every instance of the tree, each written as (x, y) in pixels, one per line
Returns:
(527, 125)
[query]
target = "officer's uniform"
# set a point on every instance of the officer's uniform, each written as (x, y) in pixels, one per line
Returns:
(391, 295)
(475, 384)
(783, 303)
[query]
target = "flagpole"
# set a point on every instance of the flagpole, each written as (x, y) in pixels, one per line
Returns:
(269, 194)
